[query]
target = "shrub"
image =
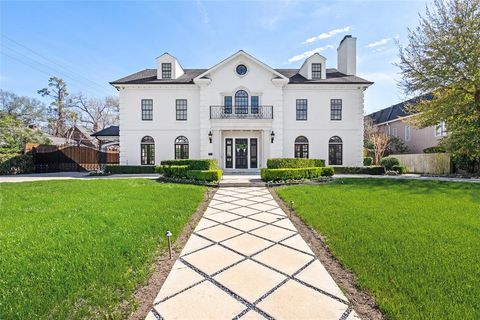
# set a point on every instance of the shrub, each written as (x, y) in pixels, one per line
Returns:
(389, 162)
(400, 169)
(129, 169)
(279, 163)
(327, 171)
(373, 170)
(173, 171)
(17, 164)
(205, 175)
(289, 173)
(367, 161)
(201, 164)
(436, 149)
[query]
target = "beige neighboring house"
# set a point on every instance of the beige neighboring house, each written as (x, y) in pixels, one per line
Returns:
(392, 121)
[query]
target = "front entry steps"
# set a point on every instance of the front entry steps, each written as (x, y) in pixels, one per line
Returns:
(241, 180)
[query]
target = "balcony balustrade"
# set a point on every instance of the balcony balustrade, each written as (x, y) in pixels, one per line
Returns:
(241, 112)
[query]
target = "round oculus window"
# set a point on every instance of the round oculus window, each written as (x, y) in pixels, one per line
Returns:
(241, 69)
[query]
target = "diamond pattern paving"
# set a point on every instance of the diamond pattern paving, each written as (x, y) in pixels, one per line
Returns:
(246, 260)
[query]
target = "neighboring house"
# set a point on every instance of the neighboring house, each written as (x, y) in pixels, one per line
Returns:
(392, 121)
(242, 112)
(108, 138)
(80, 136)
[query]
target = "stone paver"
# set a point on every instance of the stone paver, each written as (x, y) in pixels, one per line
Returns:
(246, 260)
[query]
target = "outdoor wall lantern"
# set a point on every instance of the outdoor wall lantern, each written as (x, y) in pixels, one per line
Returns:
(210, 136)
(272, 136)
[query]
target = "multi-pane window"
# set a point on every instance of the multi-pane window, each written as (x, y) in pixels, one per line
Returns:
(181, 109)
(166, 71)
(241, 102)
(407, 133)
(441, 129)
(227, 103)
(316, 71)
(181, 148)
(147, 151)
(302, 109)
(147, 109)
(301, 147)
(335, 109)
(254, 104)
(335, 151)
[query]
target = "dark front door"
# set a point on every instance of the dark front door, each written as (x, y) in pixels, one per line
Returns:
(241, 153)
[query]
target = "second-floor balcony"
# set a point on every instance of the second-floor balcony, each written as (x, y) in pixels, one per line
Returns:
(241, 112)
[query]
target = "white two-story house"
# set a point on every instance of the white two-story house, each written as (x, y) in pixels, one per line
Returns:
(243, 112)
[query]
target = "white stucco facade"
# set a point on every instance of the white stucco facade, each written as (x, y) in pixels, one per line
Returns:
(252, 129)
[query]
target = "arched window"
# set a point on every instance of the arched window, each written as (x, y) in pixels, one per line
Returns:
(147, 151)
(241, 102)
(335, 151)
(181, 148)
(301, 147)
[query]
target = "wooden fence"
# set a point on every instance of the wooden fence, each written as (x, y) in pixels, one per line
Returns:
(432, 163)
(47, 158)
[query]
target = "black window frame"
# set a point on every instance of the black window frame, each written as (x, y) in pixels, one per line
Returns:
(253, 153)
(301, 147)
(316, 71)
(254, 104)
(335, 151)
(227, 104)
(241, 102)
(181, 148)
(301, 106)
(147, 151)
(181, 109)
(166, 70)
(147, 109)
(336, 106)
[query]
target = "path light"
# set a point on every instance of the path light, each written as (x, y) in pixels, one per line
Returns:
(169, 235)
(210, 136)
(272, 136)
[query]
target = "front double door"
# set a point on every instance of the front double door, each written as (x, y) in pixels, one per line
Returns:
(241, 153)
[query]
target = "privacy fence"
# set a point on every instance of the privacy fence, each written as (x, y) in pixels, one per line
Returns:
(431, 163)
(48, 158)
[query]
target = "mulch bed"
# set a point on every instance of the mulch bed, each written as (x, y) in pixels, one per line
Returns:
(364, 304)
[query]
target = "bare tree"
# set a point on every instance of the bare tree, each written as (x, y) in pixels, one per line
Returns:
(380, 143)
(96, 113)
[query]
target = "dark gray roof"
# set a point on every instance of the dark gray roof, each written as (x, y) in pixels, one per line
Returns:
(396, 111)
(149, 76)
(111, 131)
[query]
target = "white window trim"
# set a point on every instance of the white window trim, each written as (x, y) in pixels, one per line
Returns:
(408, 133)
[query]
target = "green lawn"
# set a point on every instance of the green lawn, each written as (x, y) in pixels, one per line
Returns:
(76, 249)
(414, 245)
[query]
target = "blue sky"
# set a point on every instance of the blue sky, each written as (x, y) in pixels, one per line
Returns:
(91, 43)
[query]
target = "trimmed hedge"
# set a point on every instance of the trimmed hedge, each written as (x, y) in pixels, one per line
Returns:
(373, 170)
(436, 149)
(281, 163)
(129, 169)
(17, 164)
(205, 175)
(389, 162)
(400, 169)
(367, 161)
(279, 174)
(201, 164)
(173, 171)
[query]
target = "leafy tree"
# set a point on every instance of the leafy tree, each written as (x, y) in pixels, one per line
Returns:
(14, 135)
(443, 57)
(31, 112)
(57, 90)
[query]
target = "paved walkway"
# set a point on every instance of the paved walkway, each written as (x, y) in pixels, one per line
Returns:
(246, 260)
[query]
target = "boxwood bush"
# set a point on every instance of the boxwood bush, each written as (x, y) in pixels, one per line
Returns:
(193, 164)
(400, 169)
(129, 169)
(374, 170)
(278, 163)
(205, 175)
(284, 174)
(389, 162)
(367, 161)
(173, 171)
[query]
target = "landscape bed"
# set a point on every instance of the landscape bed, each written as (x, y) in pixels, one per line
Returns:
(78, 249)
(412, 244)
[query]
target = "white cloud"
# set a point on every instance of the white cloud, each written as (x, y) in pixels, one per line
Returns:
(308, 53)
(381, 42)
(203, 12)
(326, 35)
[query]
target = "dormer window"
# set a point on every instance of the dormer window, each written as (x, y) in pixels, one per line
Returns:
(166, 71)
(316, 71)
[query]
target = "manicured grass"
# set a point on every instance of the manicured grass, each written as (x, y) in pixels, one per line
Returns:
(414, 245)
(77, 249)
